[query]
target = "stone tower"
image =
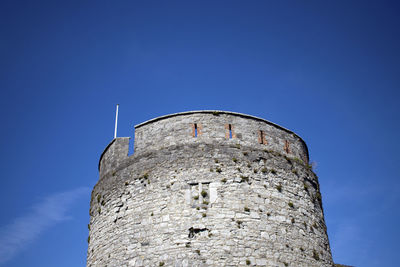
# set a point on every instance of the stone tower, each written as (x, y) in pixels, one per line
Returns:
(207, 188)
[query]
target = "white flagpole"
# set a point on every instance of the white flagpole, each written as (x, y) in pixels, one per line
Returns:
(116, 122)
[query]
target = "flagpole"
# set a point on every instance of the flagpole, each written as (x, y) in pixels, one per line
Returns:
(116, 122)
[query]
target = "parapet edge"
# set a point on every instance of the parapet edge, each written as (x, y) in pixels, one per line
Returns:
(104, 151)
(217, 112)
(107, 147)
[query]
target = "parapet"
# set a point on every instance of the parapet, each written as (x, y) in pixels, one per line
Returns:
(217, 127)
(208, 127)
(116, 151)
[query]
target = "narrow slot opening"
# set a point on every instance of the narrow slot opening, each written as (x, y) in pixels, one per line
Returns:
(286, 148)
(261, 137)
(230, 131)
(195, 130)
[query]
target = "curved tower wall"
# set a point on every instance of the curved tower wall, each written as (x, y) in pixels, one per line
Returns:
(207, 189)
(213, 127)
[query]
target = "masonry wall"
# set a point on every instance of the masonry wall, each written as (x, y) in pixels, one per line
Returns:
(213, 128)
(220, 198)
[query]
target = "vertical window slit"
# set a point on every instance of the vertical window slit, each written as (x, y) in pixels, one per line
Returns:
(195, 130)
(230, 131)
(261, 138)
(287, 146)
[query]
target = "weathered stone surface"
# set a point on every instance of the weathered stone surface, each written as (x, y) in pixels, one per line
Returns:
(207, 200)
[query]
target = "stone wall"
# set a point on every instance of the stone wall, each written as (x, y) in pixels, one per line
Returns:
(213, 127)
(114, 154)
(208, 194)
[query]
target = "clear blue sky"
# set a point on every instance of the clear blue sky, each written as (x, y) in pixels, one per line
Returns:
(328, 70)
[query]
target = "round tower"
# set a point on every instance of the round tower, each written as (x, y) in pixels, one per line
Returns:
(207, 188)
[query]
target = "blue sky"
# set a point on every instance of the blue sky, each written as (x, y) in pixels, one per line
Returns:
(328, 70)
